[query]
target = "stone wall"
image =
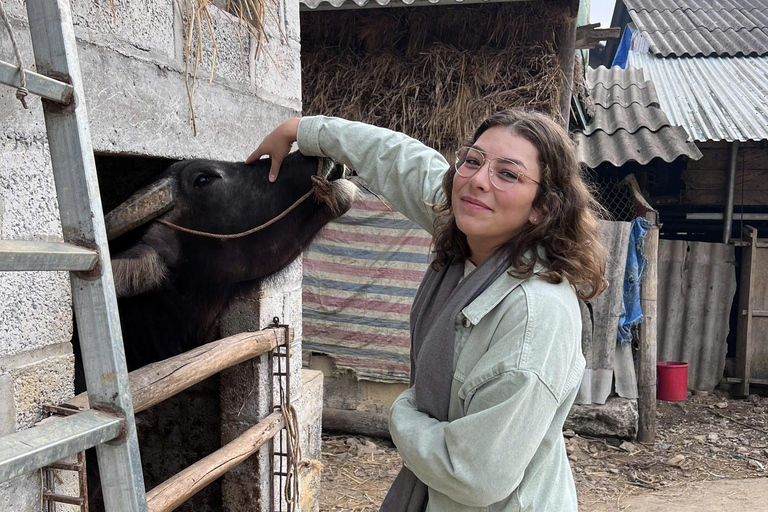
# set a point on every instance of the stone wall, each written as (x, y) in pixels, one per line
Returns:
(132, 62)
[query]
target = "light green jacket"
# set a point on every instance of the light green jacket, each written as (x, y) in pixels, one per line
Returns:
(517, 356)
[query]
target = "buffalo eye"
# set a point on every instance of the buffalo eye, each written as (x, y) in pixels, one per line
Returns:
(203, 180)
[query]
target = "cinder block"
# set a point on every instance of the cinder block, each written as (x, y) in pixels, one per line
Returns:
(288, 278)
(231, 44)
(146, 26)
(277, 72)
(48, 381)
(292, 311)
(292, 19)
(21, 494)
(310, 482)
(310, 410)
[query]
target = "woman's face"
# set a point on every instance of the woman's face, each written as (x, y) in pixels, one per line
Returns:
(489, 217)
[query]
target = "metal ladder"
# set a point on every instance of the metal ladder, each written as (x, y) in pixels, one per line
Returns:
(109, 423)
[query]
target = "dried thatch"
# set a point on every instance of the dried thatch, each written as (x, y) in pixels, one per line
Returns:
(433, 72)
(199, 26)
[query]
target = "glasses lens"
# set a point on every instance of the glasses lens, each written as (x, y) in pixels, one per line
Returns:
(468, 161)
(505, 174)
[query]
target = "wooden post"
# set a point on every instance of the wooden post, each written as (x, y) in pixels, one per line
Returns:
(746, 310)
(566, 54)
(646, 378)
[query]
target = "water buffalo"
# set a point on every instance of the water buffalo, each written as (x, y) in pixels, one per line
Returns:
(172, 284)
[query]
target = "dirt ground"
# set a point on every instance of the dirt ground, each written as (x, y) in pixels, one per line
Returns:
(711, 453)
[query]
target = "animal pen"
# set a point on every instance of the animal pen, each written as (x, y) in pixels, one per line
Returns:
(131, 69)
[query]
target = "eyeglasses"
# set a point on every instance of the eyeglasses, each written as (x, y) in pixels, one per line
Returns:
(504, 173)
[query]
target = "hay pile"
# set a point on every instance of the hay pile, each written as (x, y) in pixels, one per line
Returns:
(432, 72)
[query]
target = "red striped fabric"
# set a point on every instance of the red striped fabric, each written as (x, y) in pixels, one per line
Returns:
(340, 315)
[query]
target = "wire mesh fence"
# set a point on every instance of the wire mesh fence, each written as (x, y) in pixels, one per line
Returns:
(614, 195)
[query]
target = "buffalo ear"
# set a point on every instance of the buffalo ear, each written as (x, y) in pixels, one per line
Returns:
(138, 270)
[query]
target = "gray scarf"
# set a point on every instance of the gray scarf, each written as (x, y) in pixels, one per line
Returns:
(441, 296)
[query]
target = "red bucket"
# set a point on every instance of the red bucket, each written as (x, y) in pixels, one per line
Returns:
(671, 381)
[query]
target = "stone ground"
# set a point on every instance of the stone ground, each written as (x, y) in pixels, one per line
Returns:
(711, 453)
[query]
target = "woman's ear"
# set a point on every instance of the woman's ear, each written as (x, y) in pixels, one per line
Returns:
(535, 217)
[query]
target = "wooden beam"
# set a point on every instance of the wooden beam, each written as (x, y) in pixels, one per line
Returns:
(159, 381)
(185, 484)
(566, 54)
(588, 36)
(370, 424)
(744, 322)
(646, 377)
(748, 197)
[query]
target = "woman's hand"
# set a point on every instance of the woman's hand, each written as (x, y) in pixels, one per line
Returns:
(277, 145)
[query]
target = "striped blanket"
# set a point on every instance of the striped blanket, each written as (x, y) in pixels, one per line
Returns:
(360, 276)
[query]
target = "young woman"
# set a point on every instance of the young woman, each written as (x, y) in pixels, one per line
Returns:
(495, 325)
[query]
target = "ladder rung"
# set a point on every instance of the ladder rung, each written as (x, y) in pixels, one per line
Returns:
(36, 83)
(54, 440)
(35, 255)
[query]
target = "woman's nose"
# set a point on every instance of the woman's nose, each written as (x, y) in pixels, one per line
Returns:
(482, 178)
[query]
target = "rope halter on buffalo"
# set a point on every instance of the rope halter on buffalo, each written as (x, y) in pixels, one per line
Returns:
(321, 188)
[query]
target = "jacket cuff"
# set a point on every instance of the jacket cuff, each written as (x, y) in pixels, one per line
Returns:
(308, 136)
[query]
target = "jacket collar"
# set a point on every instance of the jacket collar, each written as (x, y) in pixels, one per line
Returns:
(497, 291)
(491, 297)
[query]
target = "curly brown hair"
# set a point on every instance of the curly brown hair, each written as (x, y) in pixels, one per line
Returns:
(566, 242)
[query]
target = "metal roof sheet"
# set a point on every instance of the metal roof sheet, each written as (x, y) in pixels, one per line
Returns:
(628, 125)
(697, 283)
(713, 98)
(618, 95)
(630, 118)
(702, 27)
(644, 95)
(642, 146)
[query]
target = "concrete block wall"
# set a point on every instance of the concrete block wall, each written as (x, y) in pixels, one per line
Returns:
(132, 62)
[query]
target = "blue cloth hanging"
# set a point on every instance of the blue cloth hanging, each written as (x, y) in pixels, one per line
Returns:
(622, 52)
(631, 312)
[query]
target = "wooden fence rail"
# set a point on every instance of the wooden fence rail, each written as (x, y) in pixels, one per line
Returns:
(159, 381)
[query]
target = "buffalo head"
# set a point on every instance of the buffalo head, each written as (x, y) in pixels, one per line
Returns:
(171, 284)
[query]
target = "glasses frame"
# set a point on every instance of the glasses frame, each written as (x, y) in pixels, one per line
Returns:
(491, 171)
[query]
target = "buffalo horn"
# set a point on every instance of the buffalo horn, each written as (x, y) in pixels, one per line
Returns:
(143, 206)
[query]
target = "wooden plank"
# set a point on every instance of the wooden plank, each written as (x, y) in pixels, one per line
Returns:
(17, 255)
(372, 424)
(744, 322)
(647, 350)
(734, 380)
(718, 179)
(588, 36)
(159, 381)
(185, 484)
(717, 197)
(750, 158)
(759, 328)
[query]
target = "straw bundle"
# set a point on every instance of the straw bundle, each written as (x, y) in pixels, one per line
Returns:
(433, 73)
(199, 26)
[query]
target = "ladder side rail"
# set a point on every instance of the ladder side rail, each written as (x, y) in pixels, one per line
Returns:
(93, 297)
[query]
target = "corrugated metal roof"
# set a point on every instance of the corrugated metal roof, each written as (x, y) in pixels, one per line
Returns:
(697, 283)
(618, 95)
(702, 27)
(361, 4)
(628, 125)
(713, 98)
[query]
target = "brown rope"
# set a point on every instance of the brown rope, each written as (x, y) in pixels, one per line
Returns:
(237, 235)
(21, 91)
